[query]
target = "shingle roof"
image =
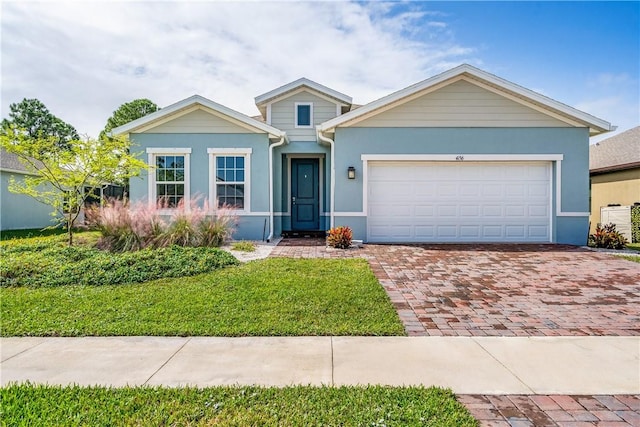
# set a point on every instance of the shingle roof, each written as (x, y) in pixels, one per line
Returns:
(621, 151)
(10, 161)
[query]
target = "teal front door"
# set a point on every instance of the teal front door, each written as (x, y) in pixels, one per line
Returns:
(305, 194)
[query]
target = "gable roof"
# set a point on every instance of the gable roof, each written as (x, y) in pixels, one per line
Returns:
(481, 78)
(185, 105)
(619, 152)
(265, 98)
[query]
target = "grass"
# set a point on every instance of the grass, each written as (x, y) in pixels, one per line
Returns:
(232, 406)
(243, 246)
(271, 297)
(633, 246)
(32, 232)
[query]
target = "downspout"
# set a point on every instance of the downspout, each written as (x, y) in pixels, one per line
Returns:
(330, 143)
(283, 140)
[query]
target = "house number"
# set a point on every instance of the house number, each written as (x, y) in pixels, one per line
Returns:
(459, 158)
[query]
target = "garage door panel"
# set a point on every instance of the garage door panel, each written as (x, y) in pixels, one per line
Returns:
(447, 211)
(514, 211)
(459, 202)
(470, 231)
(538, 211)
(424, 211)
(470, 211)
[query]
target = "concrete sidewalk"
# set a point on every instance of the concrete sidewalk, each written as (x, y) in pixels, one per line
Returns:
(468, 365)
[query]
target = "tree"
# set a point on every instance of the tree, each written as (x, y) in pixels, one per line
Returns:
(33, 118)
(128, 112)
(64, 178)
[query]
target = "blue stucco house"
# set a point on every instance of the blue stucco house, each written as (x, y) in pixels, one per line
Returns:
(464, 156)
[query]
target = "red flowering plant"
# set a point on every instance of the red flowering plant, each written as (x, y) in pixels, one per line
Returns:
(339, 237)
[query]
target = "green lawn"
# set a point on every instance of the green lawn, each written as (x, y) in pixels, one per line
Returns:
(232, 406)
(633, 246)
(271, 297)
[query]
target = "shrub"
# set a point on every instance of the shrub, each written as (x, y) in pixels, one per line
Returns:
(339, 237)
(127, 227)
(606, 236)
(81, 265)
(635, 223)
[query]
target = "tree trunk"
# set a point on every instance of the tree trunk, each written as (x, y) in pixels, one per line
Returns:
(70, 230)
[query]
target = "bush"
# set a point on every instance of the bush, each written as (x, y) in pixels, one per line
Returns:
(635, 224)
(339, 237)
(607, 237)
(127, 227)
(59, 265)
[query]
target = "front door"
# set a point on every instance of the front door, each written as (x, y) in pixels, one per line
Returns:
(305, 194)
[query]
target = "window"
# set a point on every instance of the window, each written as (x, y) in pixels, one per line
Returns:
(169, 183)
(304, 114)
(230, 177)
(169, 180)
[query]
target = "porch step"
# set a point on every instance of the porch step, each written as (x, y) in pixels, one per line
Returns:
(305, 233)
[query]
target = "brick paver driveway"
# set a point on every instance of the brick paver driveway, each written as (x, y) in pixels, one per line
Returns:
(499, 290)
(509, 290)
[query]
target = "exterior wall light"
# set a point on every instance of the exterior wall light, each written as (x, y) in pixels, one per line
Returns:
(351, 172)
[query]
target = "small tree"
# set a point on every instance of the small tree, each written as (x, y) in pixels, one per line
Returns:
(64, 178)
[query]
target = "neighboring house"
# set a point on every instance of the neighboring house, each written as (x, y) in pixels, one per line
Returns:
(614, 168)
(19, 211)
(464, 156)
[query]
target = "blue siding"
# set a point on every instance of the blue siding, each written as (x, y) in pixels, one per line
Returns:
(19, 211)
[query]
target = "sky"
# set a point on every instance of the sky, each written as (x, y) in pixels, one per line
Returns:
(84, 59)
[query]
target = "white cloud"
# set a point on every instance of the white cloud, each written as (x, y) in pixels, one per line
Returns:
(614, 97)
(84, 59)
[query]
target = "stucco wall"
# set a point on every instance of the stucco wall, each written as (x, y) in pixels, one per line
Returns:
(19, 211)
(622, 187)
(250, 223)
(572, 143)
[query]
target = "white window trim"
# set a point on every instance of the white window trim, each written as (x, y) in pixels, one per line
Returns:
(295, 119)
(152, 152)
(213, 197)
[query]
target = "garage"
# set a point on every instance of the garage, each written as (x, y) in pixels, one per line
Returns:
(458, 201)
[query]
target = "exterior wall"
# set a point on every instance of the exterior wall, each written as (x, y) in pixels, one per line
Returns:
(283, 114)
(621, 187)
(251, 224)
(282, 190)
(461, 104)
(572, 143)
(19, 211)
(198, 121)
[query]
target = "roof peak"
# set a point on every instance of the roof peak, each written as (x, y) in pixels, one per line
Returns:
(303, 81)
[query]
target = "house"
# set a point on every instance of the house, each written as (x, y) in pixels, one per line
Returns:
(464, 156)
(19, 211)
(614, 170)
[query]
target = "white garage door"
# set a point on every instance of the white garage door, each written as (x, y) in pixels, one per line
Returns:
(459, 202)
